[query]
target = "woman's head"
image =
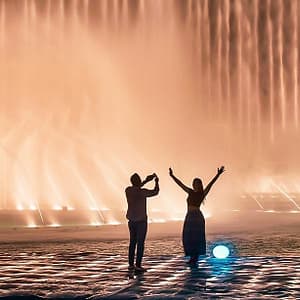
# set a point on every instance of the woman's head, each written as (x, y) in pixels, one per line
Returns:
(197, 185)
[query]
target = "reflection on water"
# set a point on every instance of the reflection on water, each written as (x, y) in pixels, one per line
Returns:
(99, 270)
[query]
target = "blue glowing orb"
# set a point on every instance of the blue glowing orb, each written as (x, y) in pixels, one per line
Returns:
(221, 251)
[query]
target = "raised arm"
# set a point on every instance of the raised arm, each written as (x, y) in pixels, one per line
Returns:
(148, 178)
(208, 187)
(155, 191)
(184, 187)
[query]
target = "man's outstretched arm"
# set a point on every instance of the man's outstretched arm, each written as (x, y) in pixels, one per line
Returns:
(148, 179)
(155, 191)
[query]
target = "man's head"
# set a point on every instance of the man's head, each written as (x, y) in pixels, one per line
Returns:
(136, 180)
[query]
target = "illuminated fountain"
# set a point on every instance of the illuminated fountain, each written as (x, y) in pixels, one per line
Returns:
(92, 91)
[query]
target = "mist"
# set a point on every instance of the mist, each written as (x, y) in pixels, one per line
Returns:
(93, 91)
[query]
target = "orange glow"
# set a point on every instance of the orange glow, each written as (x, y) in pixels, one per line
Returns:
(113, 222)
(20, 207)
(95, 224)
(55, 225)
(57, 207)
(207, 214)
(32, 226)
(89, 98)
(94, 208)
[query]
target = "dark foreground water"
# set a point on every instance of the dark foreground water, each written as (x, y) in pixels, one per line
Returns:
(98, 270)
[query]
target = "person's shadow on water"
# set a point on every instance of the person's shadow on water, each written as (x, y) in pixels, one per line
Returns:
(194, 282)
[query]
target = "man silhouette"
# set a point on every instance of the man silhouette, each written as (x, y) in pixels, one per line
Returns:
(137, 217)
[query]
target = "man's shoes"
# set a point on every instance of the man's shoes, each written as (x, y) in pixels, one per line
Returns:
(131, 268)
(140, 269)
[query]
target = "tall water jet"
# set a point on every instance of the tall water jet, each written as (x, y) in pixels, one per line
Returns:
(92, 91)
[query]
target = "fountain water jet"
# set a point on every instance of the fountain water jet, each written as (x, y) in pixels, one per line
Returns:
(92, 91)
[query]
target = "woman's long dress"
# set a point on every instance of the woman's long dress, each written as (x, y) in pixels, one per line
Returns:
(193, 237)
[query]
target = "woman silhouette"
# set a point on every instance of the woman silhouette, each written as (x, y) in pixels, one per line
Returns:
(193, 236)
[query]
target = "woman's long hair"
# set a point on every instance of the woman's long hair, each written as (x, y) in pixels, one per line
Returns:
(198, 187)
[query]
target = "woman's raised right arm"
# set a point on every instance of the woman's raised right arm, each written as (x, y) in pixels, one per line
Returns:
(184, 187)
(208, 187)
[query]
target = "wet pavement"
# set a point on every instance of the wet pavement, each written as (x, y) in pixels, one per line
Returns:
(98, 270)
